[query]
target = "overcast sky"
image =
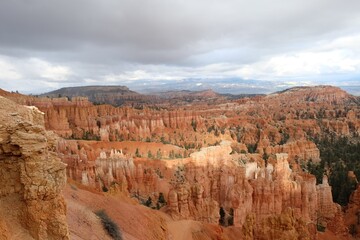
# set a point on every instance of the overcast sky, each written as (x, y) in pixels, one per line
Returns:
(48, 44)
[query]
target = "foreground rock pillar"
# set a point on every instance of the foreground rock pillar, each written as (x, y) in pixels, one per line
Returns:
(31, 176)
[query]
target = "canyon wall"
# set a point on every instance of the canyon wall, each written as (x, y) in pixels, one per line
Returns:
(283, 122)
(213, 186)
(32, 176)
(224, 163)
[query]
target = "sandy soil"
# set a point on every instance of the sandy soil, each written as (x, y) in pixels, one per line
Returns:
(136, 222)
(330, 236)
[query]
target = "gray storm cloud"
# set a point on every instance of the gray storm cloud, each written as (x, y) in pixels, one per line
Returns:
(163, 31)
(97, 38)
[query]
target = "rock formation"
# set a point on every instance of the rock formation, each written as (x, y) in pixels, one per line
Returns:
(31, 176)
(237, 163)
(282, 122)
(272, 197)
(352, 213)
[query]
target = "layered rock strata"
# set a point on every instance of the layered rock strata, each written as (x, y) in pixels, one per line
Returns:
(31, 176)
(283, 122)
(213, 186)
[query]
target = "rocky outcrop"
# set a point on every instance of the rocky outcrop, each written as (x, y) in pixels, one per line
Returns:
(327, 94)
(352, 213)
(32, 176)
(281, 226)
(80, 119)
(277, 201)
(246, 182)
(213, 186)
(281, 122)
(302, 149)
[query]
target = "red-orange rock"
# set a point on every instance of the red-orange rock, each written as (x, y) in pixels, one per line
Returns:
(32, 176)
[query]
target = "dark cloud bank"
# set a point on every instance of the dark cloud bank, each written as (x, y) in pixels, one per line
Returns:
(112, 42)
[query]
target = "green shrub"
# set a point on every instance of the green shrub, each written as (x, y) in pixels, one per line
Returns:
(194, 124)
(137, 153)
(320, 228)
(150, 155)
(161, 198)
(222, 216)
(339, 155)
(148, 202)
(252, 148)
(109, 225)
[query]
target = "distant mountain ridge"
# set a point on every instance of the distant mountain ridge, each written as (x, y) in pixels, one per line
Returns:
(204, 93)
(114, 95)
(90, 90)
(122, 95)
(321, 93)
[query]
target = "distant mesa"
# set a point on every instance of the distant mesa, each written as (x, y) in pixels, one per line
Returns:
(322, 93)
(122, 95)
(114, 95)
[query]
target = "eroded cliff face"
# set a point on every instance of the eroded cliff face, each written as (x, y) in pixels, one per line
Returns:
(215, 187)
(245, 181)
(282, 122)
(31, 176)
(270, 200)
(352, 213)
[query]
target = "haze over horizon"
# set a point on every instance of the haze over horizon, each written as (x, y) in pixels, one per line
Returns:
(229, 46)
